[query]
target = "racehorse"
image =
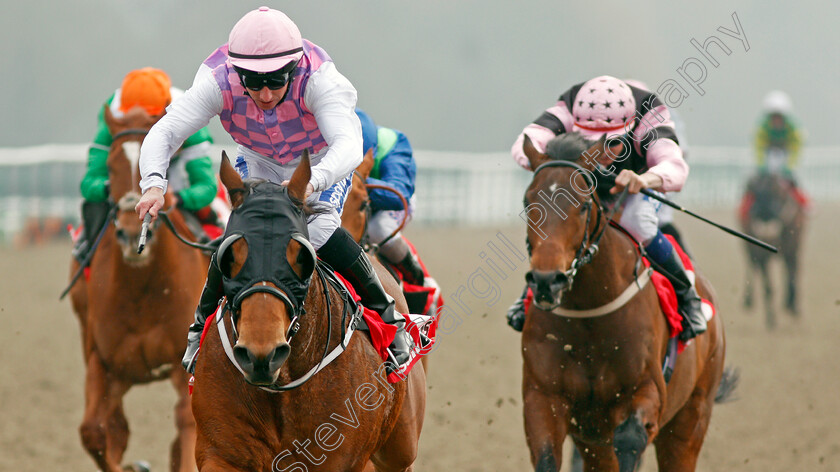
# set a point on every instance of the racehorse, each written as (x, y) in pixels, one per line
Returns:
(245, 420)
(772, 213)
(593, 343)
(357, 208)
(135, 308)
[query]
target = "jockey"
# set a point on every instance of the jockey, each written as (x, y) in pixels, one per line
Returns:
(777, 131)
(778, 142)
(191, 176)
(393, 167)
(277, 95)
(606, 105)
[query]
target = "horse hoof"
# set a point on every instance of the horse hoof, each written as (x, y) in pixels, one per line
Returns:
(139, 466)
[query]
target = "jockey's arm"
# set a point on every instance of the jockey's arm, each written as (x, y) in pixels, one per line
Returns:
(332, 99)
(199, 167)
(183, 118)
(93, 185)
(203, 187)
(549, 124)
(396, 170)
(761, 141)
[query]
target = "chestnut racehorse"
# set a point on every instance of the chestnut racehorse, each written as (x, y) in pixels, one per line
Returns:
(135, 309)
(593, 359)
(338, 418)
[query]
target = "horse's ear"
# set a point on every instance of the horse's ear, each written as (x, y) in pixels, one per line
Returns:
(367, 165)
(591, 156)
(232, 181)
(110, 121)
(535, 158)
(299, 180)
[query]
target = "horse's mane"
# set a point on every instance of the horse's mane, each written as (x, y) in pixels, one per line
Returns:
(567, 147)
(308, 209)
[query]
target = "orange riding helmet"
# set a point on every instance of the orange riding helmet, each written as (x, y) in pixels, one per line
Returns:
(147, 88)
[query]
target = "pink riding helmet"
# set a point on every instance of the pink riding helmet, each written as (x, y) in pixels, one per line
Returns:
(603, 105)
(264, 40)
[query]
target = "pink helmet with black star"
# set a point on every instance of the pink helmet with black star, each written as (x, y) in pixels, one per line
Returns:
(264, 40)
(604, 105)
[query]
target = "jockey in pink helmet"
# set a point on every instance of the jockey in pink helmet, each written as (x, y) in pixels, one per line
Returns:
(277, 94)
(607, 105)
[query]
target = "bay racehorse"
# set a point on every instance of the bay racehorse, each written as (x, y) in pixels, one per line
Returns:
(593, 343)
(771, 212)
(135, 309)
(265, 405)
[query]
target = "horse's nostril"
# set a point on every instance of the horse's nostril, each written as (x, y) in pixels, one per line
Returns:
(278, 356)
(244, 357)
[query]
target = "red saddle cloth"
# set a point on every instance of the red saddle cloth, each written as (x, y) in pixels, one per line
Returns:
(382, 334)
(667, 296)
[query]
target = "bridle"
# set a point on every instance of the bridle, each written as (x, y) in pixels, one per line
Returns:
(367, 208)
(591, 239)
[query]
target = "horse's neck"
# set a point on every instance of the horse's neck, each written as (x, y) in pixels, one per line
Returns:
(607, 275)
(308, 343)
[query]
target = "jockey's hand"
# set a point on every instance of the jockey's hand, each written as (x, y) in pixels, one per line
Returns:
(635, 182)
(150, 202)
(309, 188)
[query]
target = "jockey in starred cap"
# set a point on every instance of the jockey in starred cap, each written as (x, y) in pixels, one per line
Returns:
(395, 167)
(277, 95)
(608, 106)
(192, 175)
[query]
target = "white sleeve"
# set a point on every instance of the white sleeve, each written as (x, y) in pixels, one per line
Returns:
(183, 118)
(332, 99)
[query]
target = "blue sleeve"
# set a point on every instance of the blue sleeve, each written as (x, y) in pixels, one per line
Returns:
(396, 170)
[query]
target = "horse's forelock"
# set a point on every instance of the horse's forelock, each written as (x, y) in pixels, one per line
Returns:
(567, 147)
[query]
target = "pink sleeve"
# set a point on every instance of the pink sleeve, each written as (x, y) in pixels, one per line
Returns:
(539, 135)
(665, 159)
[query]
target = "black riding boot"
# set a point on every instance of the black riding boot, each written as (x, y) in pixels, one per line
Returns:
(409, 266)
(690, 305)
(516, 313)
(207, 304)
(93, 218)
(343, 254)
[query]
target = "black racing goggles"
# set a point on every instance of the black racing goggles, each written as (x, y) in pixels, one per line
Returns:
(274, 80)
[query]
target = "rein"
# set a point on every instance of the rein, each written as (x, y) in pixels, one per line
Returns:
(327, 280)
(368, 213)
(129, 132)
(589, 248)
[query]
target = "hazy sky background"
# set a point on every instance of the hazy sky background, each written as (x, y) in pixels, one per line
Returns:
(454, 75)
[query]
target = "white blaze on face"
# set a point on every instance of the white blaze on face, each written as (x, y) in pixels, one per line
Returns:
(132, 152)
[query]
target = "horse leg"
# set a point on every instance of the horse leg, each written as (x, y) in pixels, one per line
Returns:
(632, 436)
(678, 443)
(748, 286)
(546, 426)
(104, 429)
(598, 457)
(768, 295)
(791, 264)
(182, 456)
(399, 451)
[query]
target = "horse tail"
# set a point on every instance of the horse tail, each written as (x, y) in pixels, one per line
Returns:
(728, 383)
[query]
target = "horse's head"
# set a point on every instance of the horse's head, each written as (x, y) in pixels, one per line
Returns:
(266, 263)
(356, 212)
(127, 134)
(562, 211)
